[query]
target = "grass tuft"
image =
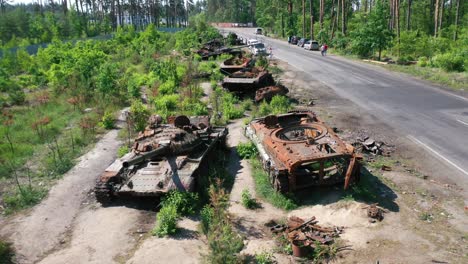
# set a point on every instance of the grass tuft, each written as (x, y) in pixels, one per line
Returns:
(266, 191)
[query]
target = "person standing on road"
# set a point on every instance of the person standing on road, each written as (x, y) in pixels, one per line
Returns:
(324, 49)
(271, 52)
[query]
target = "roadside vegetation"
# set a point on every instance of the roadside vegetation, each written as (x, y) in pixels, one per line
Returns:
(424, 38)
(56, 102)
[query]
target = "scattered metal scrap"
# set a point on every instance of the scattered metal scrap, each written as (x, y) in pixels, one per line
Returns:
(375, 212)
(306, 235)
(366, 144)
(298, 150)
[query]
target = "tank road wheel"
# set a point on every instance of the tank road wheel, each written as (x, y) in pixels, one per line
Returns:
(103, 193)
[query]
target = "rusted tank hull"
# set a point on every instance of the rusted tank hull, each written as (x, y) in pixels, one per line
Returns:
(234, 64)
(298, 150)
(246, 83)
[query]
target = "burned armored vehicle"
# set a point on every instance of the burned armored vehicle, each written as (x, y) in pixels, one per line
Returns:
(214, 48)
(267, 93)
(298, 150)
(164, 157)
(235, 64)
(248, 80)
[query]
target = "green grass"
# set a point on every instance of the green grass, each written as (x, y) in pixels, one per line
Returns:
(266, 191)
(454, 80)
(6, 253)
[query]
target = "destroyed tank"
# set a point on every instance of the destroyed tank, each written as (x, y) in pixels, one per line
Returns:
(248, 80)
(235, 64)
(164, 157)
(298, 150)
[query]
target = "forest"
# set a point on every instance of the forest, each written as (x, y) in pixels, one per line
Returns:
(432, 32)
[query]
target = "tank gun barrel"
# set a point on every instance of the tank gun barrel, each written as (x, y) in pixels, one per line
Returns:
(144, 156)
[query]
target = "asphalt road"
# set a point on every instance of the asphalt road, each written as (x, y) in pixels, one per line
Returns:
(436, 120)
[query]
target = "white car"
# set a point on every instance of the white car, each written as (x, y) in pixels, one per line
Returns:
(252, 42)
(259, 49)
(311, 45)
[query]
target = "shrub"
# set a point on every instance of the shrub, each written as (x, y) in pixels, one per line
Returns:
(206, 216)
(139, 114)
(262, 62)
(166, 104)
(264, 258)
(168, 87)
(6, 253)
(449, 62)
(247, 200)
(24, 198)
(422, 61)
(122, 151)
(184, 202)
(166, 223)
(247, 150)
(107, 120)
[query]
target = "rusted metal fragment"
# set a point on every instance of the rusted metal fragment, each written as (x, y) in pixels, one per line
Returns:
(299, 150)
(305, 235)
(267, 93)
(164, 157)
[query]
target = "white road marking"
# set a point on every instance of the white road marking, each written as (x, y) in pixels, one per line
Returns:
(465, 123)
(437, 154)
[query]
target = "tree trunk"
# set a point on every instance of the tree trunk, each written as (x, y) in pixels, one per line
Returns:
(408, 15)
(333, 20)
(322, 9)
(303, 19)
(338, 10)
(343, 17)
(441, 15)
(436, 18)
(457, 14)
(311, 19)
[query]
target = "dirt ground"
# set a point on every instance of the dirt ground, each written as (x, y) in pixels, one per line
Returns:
(426, 222)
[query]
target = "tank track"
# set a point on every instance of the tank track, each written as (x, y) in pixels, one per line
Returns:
(103, 193)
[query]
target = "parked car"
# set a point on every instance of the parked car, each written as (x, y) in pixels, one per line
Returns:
(259, 49)
(258, 31)
(252, 42)
(294, 40)
(311, 45)
(301, 42)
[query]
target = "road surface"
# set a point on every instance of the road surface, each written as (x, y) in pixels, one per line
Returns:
(436, 120)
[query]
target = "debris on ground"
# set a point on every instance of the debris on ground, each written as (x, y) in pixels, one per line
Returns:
(366, 144)
(307, 235)
(375, 212)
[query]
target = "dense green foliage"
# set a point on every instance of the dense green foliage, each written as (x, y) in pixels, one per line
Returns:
(174, 205)
(247, 150)
(223, 241)
(370, 29)
(53, 103)
(6, 253)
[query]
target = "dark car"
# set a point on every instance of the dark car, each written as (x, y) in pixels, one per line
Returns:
(301, 42)
(294, 40)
